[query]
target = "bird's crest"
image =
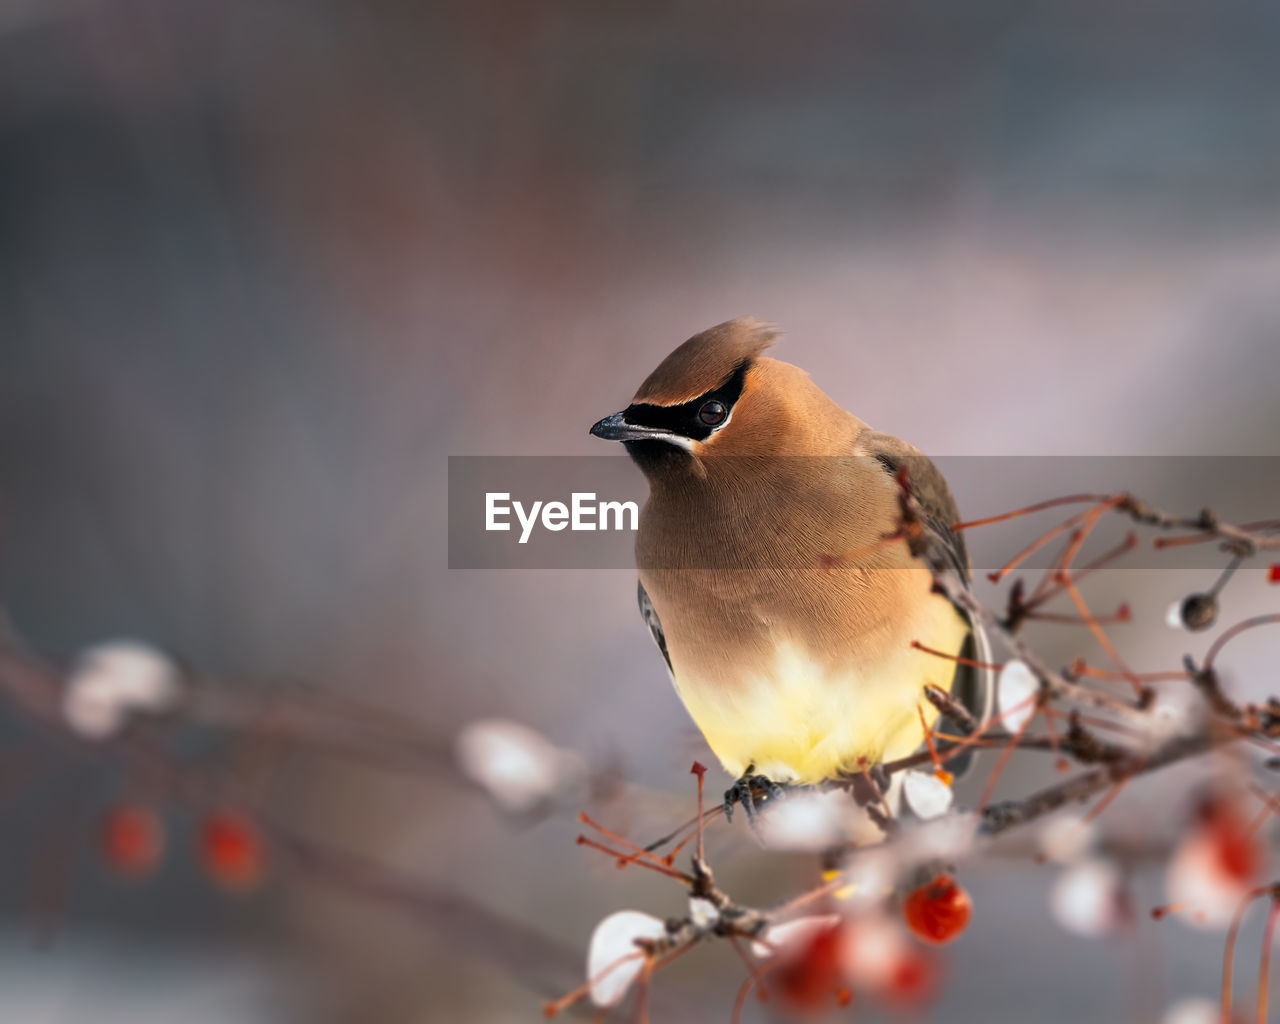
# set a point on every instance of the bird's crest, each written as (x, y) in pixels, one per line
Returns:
(706, 361)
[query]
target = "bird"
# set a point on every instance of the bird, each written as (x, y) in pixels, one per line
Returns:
(770, 576)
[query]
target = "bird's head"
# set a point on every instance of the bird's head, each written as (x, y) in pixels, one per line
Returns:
(697, 401)
(718, 395)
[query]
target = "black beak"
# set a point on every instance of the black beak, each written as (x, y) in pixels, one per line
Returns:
(615, 428)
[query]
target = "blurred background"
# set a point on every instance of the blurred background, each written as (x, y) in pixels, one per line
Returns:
(265, 266)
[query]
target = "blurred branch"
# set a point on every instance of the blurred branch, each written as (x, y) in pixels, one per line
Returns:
(460, 923)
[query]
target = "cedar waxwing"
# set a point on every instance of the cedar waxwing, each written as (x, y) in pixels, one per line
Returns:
(785, 617)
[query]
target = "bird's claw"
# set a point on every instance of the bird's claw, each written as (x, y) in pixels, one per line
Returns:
(747, 792)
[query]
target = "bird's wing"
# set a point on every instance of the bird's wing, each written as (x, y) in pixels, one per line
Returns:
(973, 687)
(650, 616)
(930, 489)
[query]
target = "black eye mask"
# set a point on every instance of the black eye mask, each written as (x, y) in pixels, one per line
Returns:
(683, 419)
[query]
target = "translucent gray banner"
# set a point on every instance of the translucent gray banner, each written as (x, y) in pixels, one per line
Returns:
(581, 512)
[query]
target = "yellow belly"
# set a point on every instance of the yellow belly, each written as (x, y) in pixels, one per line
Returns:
(804, 716)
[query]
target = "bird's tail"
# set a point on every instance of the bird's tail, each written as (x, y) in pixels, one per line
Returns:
(974, 688)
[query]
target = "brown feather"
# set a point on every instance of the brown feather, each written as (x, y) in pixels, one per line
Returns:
(705, 361)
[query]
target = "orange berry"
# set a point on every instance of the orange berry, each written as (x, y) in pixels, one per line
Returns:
(938, 911)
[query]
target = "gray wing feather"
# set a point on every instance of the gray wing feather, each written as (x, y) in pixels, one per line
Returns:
(650, 616)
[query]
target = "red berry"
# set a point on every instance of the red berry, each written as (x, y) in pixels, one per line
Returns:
(913, 979)
(1273, 574)
(938, 911)
(1239, 853)
(131, 840)
(231, 851)
(813, 975)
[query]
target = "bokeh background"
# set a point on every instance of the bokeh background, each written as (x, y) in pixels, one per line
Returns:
(264, 266)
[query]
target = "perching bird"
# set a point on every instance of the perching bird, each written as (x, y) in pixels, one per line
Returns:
(785, 616)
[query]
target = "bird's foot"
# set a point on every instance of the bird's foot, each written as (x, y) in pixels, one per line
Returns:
(752, 791)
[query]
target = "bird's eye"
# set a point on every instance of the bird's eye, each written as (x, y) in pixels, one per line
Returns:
(713, 413)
